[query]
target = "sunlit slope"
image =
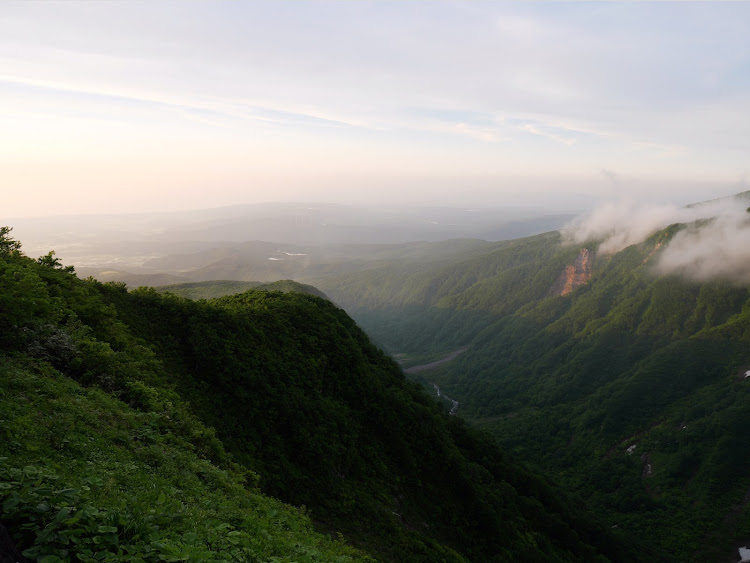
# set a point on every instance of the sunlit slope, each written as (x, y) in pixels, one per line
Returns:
(220, 288)
(116, 395)
(83, 474)
(570, 382)
(100, 459)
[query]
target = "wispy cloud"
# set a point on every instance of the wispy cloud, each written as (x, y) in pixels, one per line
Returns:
(714, 243)
(648, 89)
(718, 249)
(193, 107)
(536, 130)
(620, 224)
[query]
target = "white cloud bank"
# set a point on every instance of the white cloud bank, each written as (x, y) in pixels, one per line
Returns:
(714, 245)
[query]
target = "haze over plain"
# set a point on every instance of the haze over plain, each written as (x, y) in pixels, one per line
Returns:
(133, 107)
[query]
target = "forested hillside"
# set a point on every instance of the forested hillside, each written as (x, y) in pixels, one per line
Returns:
(629, 387)
(220, 288)
(147, 427)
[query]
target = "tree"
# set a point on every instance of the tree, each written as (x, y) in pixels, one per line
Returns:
(7, 244)
(53, 262)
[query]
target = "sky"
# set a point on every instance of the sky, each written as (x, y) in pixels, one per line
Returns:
(109, 107)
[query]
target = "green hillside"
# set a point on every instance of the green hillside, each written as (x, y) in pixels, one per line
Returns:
(630, 389)
(99, 459)
(221, 288)
(148, 427)
(86, 477)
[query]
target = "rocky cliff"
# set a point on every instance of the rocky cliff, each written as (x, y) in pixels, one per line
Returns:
(574, 275)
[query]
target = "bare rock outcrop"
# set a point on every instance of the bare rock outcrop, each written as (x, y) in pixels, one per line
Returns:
(575, 275)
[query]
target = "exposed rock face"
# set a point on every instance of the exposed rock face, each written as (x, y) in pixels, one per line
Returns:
(575, 275)
(657, 246)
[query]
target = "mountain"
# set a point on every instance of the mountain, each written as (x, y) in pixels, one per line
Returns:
(220, 288)
(100, 459)
(622, 372)
(145, 426)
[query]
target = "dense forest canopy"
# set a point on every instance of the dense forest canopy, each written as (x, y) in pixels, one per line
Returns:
(147, 427)
(629, 388)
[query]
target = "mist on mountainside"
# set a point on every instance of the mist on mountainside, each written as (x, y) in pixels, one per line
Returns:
(714, 244)
(718, 249)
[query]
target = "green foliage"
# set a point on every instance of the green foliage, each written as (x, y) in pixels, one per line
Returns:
(86, 478)
(110, 399)
(569, 383)
(300, 396)
(8, 246)
(221, 288)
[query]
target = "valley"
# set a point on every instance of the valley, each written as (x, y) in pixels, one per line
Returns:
(453, 409)
(374, 281)
(622, 385)
(436, 363)
(148, 426)
(626, 386)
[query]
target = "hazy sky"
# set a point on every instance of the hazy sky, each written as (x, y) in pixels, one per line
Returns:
(153, 105)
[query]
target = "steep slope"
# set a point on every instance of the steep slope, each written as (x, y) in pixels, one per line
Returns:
(96, 382)
(331, 423)
(438, 308)
(99, 460)
(85, 477)
(629, 387)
